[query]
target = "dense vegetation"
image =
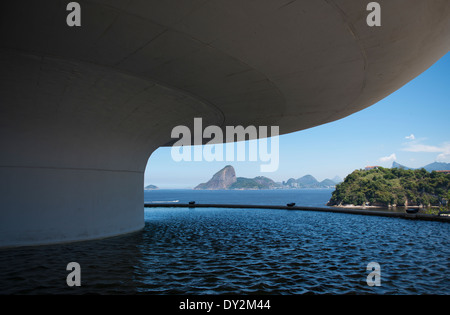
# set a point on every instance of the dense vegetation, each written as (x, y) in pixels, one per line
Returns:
(246, 183)
(389, 187)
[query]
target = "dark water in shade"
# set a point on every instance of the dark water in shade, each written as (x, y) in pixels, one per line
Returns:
(243, 251)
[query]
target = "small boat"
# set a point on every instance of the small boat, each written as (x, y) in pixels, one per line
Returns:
(412, 210)
(291, 204)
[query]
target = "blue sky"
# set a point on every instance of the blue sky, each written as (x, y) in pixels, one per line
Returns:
(411, 126)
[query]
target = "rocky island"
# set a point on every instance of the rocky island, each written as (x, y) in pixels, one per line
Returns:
(223, 179)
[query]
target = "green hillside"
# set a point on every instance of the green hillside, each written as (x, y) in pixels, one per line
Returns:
(246, 183)
(384, 187)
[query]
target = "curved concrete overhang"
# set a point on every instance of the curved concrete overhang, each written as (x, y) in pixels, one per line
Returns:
(82, 108)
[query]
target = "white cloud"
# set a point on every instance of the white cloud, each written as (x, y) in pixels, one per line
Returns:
(411, 137)
(443, 157)
(389, 158)
(417, 147)
(443, 150)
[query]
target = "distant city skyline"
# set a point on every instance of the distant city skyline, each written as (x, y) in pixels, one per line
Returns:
(410, 126)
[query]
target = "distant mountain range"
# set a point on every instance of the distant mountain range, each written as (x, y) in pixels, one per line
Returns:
(309, 181)
(226, 179)
(436, 166)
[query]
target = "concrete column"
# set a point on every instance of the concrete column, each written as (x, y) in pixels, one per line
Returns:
(75, 139)
(51, 205)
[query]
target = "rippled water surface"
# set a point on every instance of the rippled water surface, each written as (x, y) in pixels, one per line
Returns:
(243, 251)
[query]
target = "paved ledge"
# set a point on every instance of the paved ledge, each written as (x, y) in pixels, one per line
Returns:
(403, 215)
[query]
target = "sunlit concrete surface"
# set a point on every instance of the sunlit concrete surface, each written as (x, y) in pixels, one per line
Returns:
(82, 108)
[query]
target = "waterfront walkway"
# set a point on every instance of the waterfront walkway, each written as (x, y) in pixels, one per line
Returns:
(404, 215)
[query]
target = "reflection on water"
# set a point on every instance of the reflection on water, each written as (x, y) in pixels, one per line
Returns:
(242, 251)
